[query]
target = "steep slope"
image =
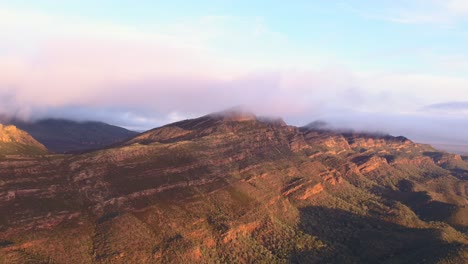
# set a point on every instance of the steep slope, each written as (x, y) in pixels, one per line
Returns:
(234, 188)
(14, 141)
(62, 136)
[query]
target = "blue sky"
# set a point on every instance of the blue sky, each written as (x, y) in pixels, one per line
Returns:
(364, 34)
(144, 63)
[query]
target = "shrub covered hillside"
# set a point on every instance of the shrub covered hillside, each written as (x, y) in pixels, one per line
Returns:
(234, 188)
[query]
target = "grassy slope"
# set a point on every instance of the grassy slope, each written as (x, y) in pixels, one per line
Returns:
(14, 141)
(13, 148)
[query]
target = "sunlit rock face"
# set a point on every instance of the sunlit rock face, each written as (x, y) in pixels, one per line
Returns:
(16, 141)
(236, 188)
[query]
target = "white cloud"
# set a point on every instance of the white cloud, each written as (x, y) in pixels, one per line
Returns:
(445, 13)
(459, 7)
(146, 77)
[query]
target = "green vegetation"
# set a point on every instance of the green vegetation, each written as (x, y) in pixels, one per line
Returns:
(237, 192)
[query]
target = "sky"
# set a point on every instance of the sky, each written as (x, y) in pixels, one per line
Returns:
(390, 66)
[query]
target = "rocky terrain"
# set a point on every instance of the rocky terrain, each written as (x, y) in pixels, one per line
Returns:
(234, 188)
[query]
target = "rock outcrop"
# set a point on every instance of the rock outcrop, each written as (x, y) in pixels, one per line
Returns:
(235, 188)
(14, 141)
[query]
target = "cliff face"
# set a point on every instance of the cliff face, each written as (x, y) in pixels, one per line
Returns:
(236, 189)
(14, 141)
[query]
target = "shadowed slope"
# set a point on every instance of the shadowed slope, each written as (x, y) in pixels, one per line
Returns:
(236, 189)
(354, 238)
(63, 136)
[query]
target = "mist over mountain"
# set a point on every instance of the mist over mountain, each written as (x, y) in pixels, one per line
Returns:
(446, 134)
(348, 141)
(62, 136)
(234, 187)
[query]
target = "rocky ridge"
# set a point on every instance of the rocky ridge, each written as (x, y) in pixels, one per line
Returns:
(237, 188)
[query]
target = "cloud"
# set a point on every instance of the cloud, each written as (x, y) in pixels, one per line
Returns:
(87, 70)
(457, 6)
(434, 12)
(449, 107)
(432, 129)
(54, 65)
(141, 84)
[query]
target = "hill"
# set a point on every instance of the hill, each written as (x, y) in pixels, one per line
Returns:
(14, 141)
(234, 188)
(64, 136)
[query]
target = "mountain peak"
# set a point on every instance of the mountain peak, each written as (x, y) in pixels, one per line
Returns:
(10, 133)
(318, 124)
(302, 185)
(237, 114)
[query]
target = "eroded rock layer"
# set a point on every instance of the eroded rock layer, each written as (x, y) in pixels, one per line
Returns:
(237, 189)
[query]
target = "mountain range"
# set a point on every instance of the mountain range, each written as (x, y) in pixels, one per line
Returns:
(232, 187)
(64, 136)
